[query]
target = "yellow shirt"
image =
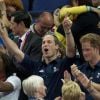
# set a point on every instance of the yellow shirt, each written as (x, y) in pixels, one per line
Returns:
(72, 11)
(60, 37)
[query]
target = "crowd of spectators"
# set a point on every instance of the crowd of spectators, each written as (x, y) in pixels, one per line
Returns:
(55, 58)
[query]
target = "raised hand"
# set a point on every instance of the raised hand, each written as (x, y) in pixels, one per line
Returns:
(67, 23)
(3, 30)
(67, 77)
(2, 5)
(74, 70)
(2, 8)
(58, 98)
(82, 78)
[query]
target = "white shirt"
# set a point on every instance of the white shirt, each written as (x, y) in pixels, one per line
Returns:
(16, 83)
(23, 38)
(31, 28)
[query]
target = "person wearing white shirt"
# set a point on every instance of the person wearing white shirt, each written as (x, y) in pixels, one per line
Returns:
(10, 84)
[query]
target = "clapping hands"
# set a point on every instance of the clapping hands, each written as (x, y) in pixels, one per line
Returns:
(67, 77)
(82, 78)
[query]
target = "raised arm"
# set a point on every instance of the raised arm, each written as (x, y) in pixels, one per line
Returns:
(10, 45)
(70, 44)
(76, 11)
(3, 15)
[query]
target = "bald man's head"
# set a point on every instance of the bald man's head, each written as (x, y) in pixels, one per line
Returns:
(47, 18)
(44, 23)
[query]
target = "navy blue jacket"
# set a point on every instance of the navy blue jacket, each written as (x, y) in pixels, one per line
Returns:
(51, 73)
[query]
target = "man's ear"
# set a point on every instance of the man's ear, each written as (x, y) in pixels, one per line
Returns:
(57, 46)
(82, 96)
(37, 20)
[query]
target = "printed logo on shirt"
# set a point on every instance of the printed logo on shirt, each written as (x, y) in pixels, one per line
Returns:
(98, 75)
(41, 71)
(55, 69)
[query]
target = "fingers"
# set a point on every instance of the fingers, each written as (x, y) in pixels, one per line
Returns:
(67, 23)
(67, 76)
(81, 77)
(74, 70)
(1, 0)
(2, 5)
(58, 98)
(2, 27)
(3, 30)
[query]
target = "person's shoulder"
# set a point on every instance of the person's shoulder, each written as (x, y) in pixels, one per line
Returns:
(15, 81)
(13, 78)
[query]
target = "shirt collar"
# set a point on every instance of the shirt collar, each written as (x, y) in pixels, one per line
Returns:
(31, 28)
(96, 66)
(55, 61)
(24, 35)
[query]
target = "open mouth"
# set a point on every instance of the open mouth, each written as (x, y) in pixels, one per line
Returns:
(45, 49)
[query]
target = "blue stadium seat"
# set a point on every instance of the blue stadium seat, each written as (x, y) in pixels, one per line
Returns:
(26, 4)
(47, 5)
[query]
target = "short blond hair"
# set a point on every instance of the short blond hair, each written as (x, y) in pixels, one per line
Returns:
(31, 84)
(93, 38)
(71, 91)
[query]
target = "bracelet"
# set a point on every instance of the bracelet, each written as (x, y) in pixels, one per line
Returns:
(88, 8)
(67, 33)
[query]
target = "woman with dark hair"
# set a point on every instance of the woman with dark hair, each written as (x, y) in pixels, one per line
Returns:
(10, 84)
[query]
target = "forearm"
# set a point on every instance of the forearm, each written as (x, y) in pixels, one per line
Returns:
(94, 92)
(96, 86)
(5, 87)
(70, 45)
(13, 48)
(72, 10)
(77, 10)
